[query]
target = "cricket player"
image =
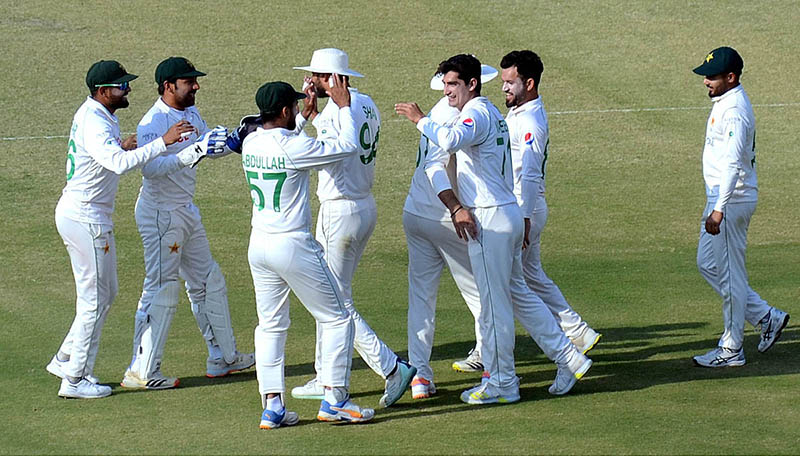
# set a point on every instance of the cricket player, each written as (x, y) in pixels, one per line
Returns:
(284, 256)
(175, 243)
(530, 138)
(729, 171)
(490, 220)
(347, 216)
(432, 242)
(96, 157)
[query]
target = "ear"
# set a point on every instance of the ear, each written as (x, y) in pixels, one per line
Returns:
(530, 84)
(473, 84)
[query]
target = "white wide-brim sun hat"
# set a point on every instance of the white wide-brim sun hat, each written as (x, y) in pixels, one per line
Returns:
(330, 60)
(487, 74)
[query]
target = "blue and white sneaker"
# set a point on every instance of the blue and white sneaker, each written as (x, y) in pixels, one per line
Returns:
(345, 410)
(771, 327)
(271, 419)
(397, 383)
(720, 357)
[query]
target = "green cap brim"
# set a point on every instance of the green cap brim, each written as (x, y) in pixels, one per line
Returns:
(126, 78)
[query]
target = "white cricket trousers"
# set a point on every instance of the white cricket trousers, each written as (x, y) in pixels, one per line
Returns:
(496, 258)
(175, 245)
(721, 261)
(93, 255)
(278, 263)
(343, 228)
(570, 321)
(432, 244)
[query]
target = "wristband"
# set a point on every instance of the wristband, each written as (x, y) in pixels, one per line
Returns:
(453, 214)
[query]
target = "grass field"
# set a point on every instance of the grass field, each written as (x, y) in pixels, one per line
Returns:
(625, 195)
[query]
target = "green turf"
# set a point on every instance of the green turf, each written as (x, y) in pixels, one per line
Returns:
(624, 188)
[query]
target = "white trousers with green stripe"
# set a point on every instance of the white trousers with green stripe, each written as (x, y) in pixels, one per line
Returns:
(721, 261)
(93, 256)
(496, 258)
(295, 261)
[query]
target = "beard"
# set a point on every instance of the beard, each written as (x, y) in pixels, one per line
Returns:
(292, 123)
(120, 103)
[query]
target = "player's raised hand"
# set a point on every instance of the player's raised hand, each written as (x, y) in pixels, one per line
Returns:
(410, 110)
(310, 102)
(129, 143)
(338, 91)
(174, 133)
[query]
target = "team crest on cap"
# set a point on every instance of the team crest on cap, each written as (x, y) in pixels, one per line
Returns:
(468, 122)
(709, 57)
(529, 139)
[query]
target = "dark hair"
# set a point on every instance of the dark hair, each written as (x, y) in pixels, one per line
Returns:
(93, 91)
(529, 65)
(161, 86)
(270, 116)
(466, 66)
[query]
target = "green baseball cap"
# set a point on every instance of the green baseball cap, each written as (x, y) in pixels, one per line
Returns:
(175, 68)
(721, 60)
(107, 72)
(273, 96)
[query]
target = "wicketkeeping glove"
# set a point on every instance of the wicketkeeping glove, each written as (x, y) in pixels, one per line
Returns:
(247, 125)
(211, 143)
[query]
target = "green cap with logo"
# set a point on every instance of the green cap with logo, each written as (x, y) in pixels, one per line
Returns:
(107, 72)
(721, 60)
(274, 96)
(176, 68)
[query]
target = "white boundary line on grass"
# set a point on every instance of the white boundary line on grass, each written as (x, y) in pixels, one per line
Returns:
(552, 113)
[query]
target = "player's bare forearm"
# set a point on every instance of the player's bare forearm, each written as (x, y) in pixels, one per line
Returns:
(410, 110)
(462, 218)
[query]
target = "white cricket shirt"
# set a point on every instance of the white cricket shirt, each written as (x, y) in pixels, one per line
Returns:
(95, 160)
(422, 200)
(729, 154)
(276, 165)
(166, 183)
(479, 139)
(530, 137)
(351, 178)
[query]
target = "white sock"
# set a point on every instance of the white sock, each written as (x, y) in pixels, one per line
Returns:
(274, 403)
(336, 395)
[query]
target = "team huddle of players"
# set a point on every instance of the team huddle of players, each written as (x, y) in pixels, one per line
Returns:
(476, 204)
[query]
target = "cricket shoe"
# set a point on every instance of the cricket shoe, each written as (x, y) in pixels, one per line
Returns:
(311, 390)
(471, 364)
(56, 368)
(569, 373)
(157, 381)
(485, 393)
(220, 368)
(720, 357)
(587, 340)
(84, 389)
(421, 388)
(271, 419)
(345, 410)
(771, 327)
(397, 383)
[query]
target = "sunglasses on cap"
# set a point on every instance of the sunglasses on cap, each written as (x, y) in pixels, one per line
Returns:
(124, 86)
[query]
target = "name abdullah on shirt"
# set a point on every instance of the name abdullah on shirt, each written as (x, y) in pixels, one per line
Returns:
(262, 162)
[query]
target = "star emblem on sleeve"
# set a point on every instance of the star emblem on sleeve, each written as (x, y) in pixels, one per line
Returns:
(105, 249)
(174, 248)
